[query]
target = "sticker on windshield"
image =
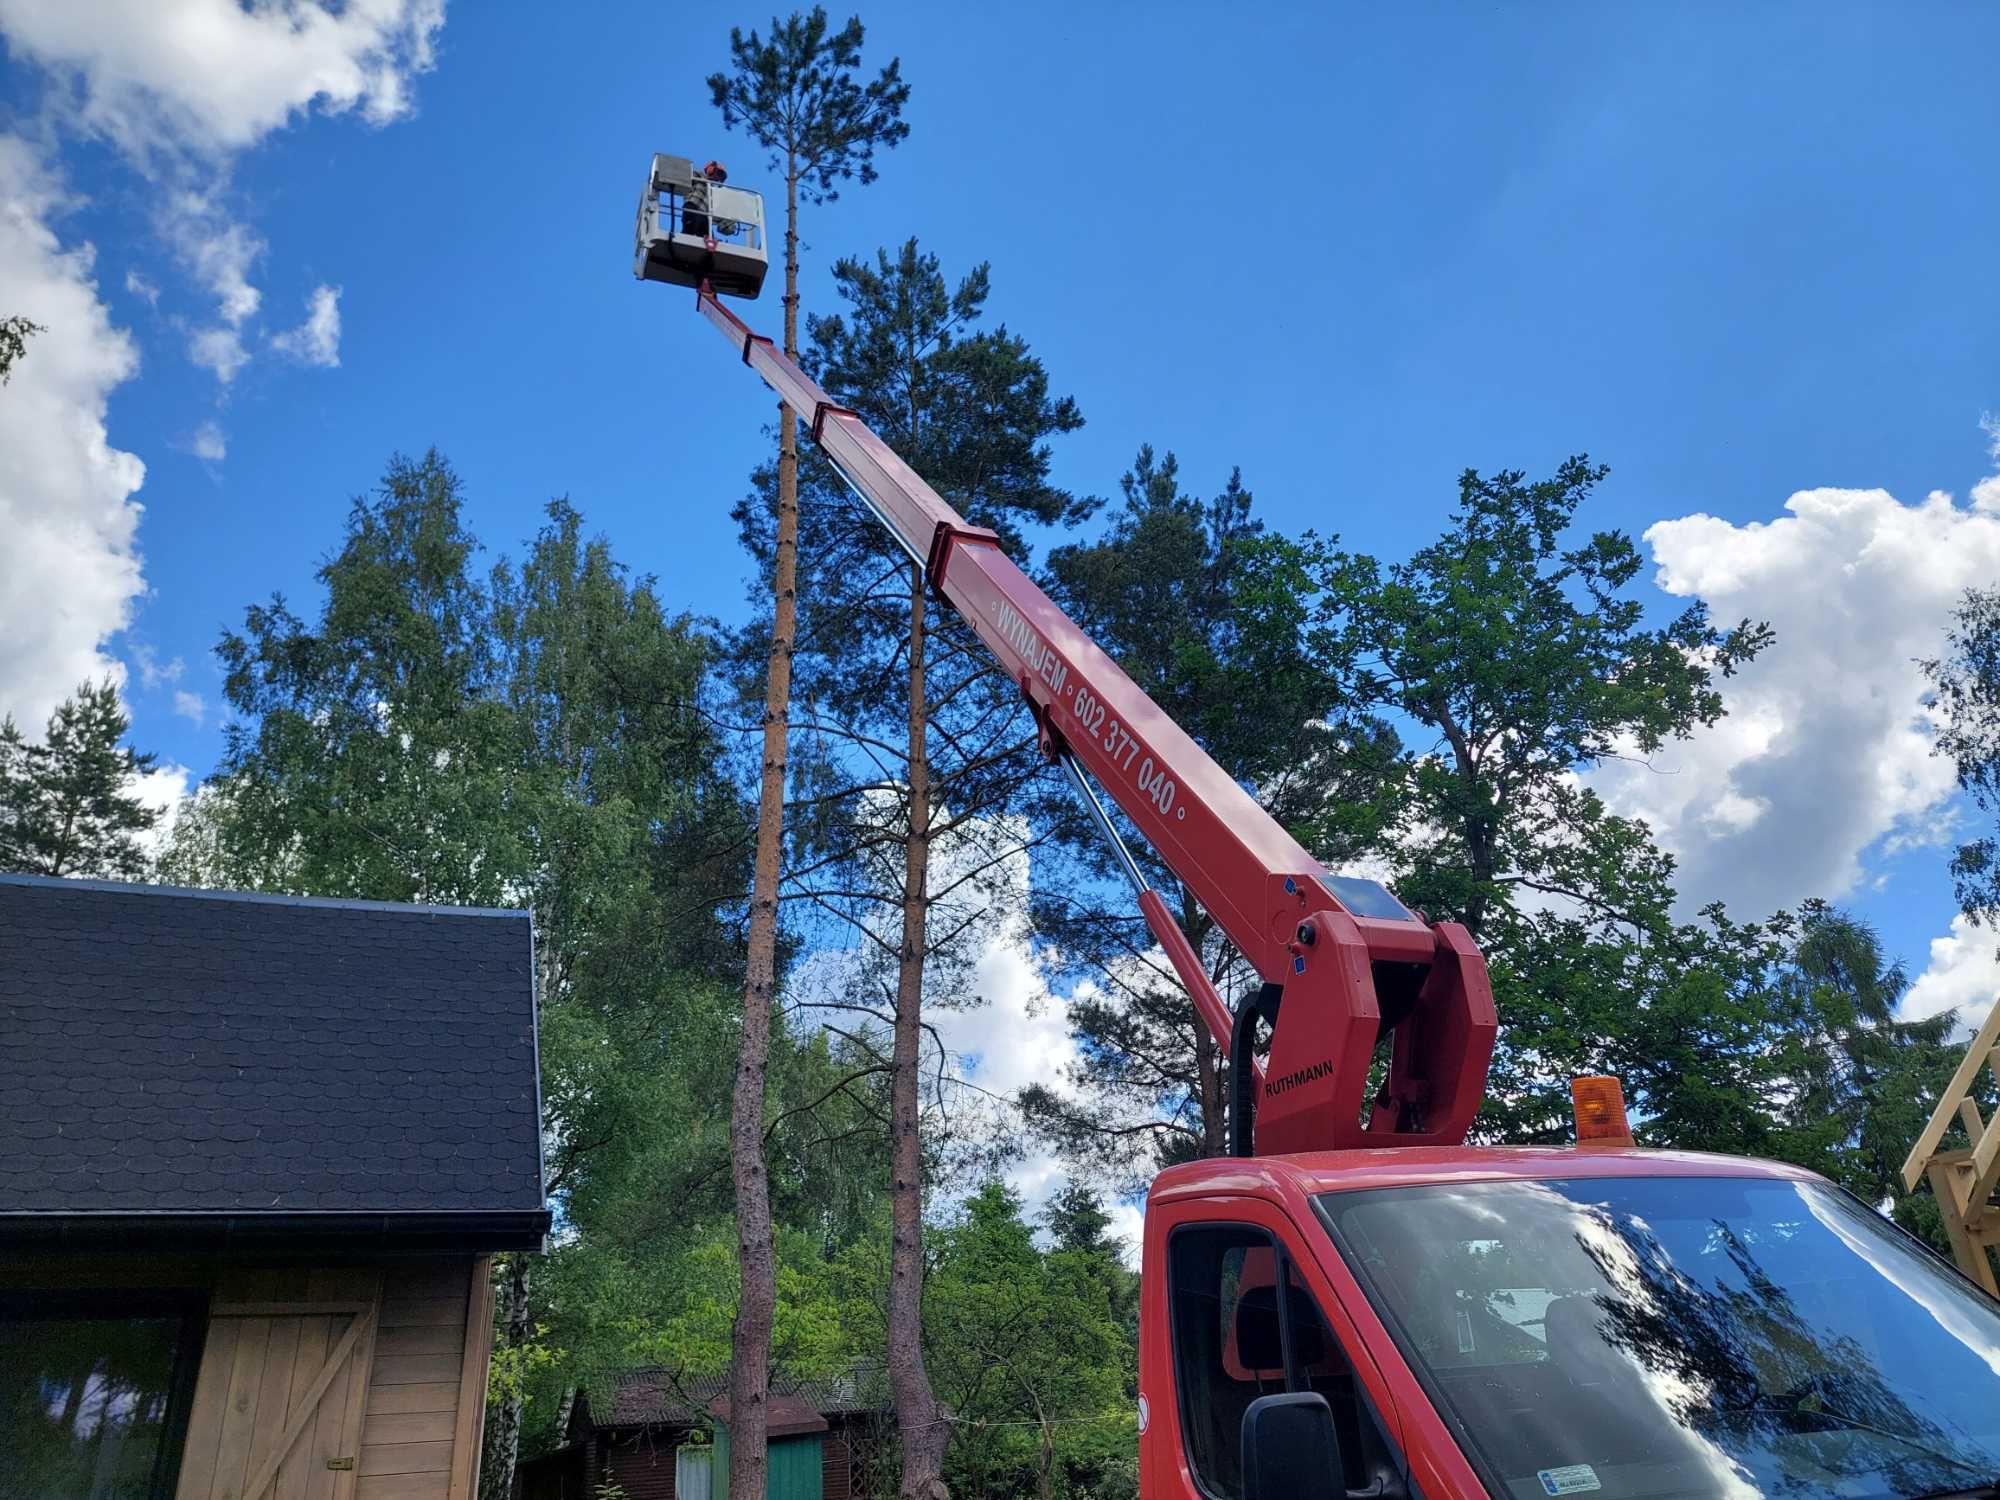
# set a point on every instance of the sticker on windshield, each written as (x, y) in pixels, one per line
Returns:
(1571, 1479)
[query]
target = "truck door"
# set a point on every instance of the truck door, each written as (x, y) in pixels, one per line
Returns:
(1242, 1320)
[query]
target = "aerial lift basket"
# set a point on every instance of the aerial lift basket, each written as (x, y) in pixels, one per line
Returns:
(694, 228)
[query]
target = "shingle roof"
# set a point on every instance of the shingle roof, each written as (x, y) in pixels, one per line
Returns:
(169, 1052)
(784, 1416)
(645, 1397)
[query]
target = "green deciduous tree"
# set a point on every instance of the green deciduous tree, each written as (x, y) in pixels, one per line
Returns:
(538, 735)
(372, 753)
(801, 96)
(1519, 650)
(68, 805)
(1965, 683)
(1030, 1352)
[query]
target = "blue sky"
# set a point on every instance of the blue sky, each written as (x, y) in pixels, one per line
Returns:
(1734, 252)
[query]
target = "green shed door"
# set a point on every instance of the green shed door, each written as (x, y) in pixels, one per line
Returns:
(795, 1467)
(795, 1462)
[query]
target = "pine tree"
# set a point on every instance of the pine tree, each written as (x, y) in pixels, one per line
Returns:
(1856, 1083)
(903, 693)
(1076, 1220)
(800, 97)
(68, 805)
(1207, 613)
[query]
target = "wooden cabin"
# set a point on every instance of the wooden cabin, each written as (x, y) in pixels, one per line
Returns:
(658, 1437)
(255, 1155)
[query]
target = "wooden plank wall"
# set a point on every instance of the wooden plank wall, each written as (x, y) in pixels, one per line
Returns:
(408, 1409)
(644, 1467)
(427, 1386)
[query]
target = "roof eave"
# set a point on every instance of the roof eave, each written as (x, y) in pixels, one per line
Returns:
(473, 1231)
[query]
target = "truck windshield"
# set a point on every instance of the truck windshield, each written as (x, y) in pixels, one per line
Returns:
(1659, 1336)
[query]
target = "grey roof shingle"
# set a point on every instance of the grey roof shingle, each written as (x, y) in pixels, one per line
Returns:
(205, 1053)
(652, 1396)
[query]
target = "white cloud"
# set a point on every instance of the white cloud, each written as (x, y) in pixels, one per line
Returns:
(216, 76)
(316, 341)
(1007, 1029)
(1826, 749)
(208, 442)
(191, 706)
(70, 566)
(219, 251)
(1963, 975)
(1986, 493)
(219, 350)
(152, 671)
(163, 789)
(181, 88)
(1016, 1035)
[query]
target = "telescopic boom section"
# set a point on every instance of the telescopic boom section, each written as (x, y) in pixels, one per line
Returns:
(1343, 962)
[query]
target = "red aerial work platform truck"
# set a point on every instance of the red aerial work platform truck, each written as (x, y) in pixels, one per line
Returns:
(1354, 1302)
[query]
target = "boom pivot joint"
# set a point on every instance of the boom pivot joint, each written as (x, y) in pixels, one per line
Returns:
(947, 536)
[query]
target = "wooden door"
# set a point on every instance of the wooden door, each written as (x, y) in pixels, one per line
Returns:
(283, 1384)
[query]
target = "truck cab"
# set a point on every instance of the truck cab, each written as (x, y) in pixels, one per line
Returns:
(1621, 1323)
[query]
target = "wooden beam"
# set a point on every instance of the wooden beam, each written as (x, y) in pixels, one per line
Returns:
(1971, 1257)
(1985, 1168)
(354, 1408)
(1976, 1056)
(477, 1357)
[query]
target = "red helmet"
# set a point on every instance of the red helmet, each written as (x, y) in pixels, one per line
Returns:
(715, 172)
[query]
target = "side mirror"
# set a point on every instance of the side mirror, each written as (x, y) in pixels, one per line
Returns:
(1290, 1448)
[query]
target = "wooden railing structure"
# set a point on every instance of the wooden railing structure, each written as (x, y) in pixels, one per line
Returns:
(1963, 1178)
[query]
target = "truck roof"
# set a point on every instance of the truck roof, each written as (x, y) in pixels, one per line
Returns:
(1407, 1166)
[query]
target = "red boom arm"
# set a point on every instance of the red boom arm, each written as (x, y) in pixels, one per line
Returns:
(1351, 960)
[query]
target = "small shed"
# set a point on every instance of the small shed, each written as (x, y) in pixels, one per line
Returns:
(795, 1451)
(255, 1153)
(663, 1437)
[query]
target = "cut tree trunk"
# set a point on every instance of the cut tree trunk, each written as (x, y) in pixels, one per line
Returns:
(921, 1420)
(756, 1308)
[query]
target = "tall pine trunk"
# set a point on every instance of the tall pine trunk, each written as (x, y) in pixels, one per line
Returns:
(750, 1342)
(921, 1420)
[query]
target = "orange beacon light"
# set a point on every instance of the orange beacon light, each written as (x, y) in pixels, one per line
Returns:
(1599, 1102)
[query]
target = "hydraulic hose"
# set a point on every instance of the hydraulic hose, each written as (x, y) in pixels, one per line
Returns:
(1259, 1005)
